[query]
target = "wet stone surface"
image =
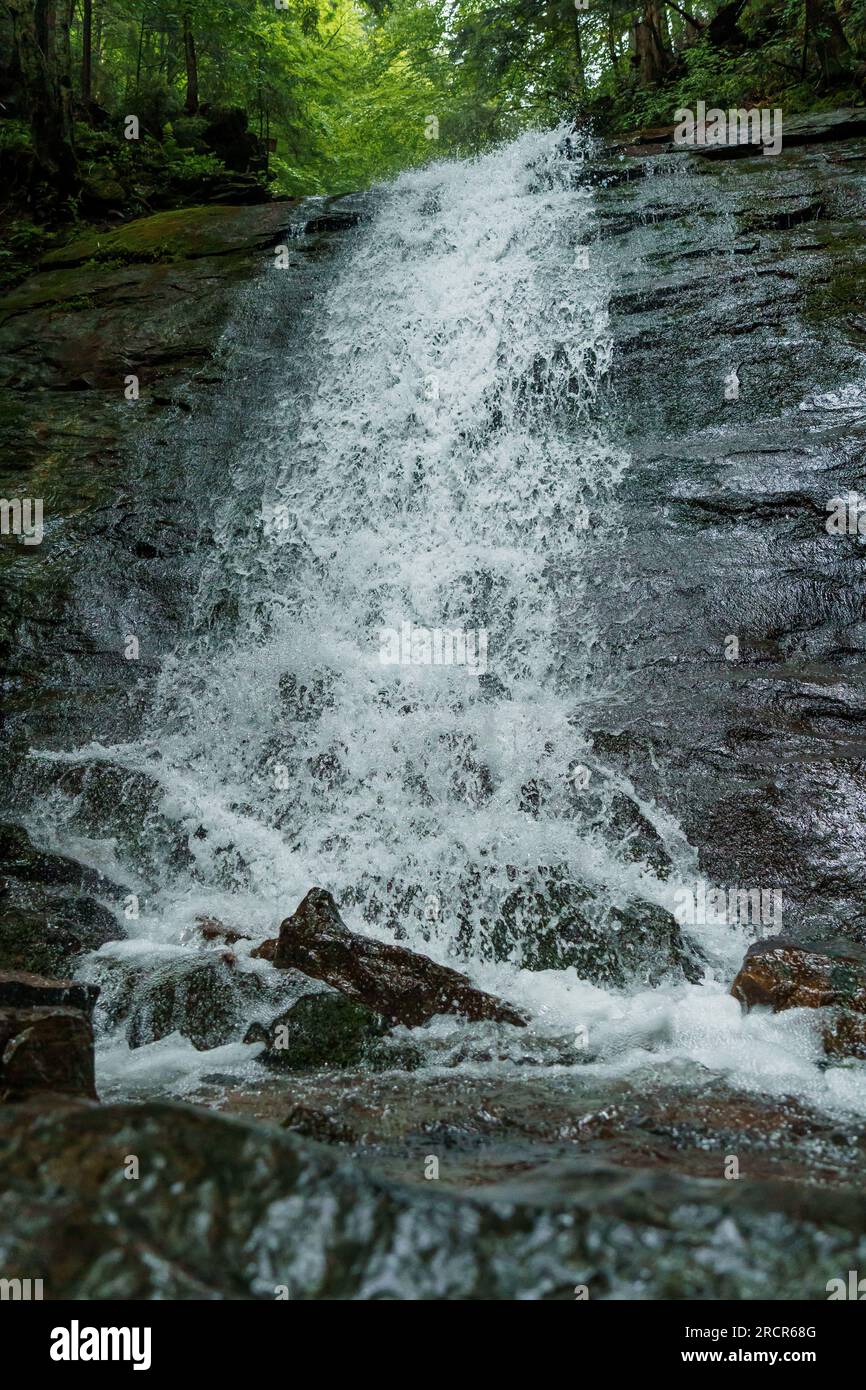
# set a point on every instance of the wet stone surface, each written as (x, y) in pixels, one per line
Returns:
(759, 755)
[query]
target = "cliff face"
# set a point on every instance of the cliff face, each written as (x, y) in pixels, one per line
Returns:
(739, 338)
(112, 352)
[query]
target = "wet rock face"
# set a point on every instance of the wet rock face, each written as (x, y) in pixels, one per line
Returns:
(21, 989)
(320, 1030)
(46, 933)
(163, 286)
(565, 926)
(46, 1050)
(640, 841)
(46, 1037)
(49, 913)
(201, 996)
(755, 267)
(786, 975)
(23, 862)
(400, 984)
(529, 1239)
(845, 1035)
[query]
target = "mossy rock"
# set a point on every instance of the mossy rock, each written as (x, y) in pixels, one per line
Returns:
(182, 233)
(320, 1030)
(104, 189)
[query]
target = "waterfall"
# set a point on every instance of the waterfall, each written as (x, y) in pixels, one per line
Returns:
(447, 471)
(397, 631)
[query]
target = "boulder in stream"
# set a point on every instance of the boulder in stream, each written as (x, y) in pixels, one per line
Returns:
(563, 924)
(201, 995)
(802, 975)
(830, 976)
(402, 985)
(320, 1030)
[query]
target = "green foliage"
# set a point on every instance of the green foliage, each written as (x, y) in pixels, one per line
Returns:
(15, 138)
(351, 91)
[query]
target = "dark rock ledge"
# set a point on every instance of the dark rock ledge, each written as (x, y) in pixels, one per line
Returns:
(46, 1038)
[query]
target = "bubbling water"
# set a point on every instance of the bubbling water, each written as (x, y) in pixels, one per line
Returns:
(448, 470)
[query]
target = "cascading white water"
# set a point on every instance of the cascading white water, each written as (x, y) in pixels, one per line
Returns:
(447, 470)
(450, 466)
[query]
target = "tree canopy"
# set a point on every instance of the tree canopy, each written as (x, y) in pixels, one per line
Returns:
(323, 96)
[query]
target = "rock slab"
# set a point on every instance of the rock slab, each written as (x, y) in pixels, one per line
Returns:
(402, 985)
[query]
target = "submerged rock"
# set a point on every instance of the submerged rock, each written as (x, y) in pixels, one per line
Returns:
(316, 1124)
(265, 951)
(640, 842)
(201, 996)
(320, 1030)
(212, 929)
(403, 986)
(564, 925)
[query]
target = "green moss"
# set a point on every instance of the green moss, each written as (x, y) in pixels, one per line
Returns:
(321, 1030)
(180, 232)
(68, 287)
(843, 292)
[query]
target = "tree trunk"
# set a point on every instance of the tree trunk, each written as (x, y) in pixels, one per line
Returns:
(42, 48)
(191, 66)
(611, 42)
(87, 52)
(827, 37)
(579, 75)
(649, 54)
(139, 56)
(63, 62)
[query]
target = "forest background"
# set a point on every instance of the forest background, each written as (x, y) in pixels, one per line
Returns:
(236, 100)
